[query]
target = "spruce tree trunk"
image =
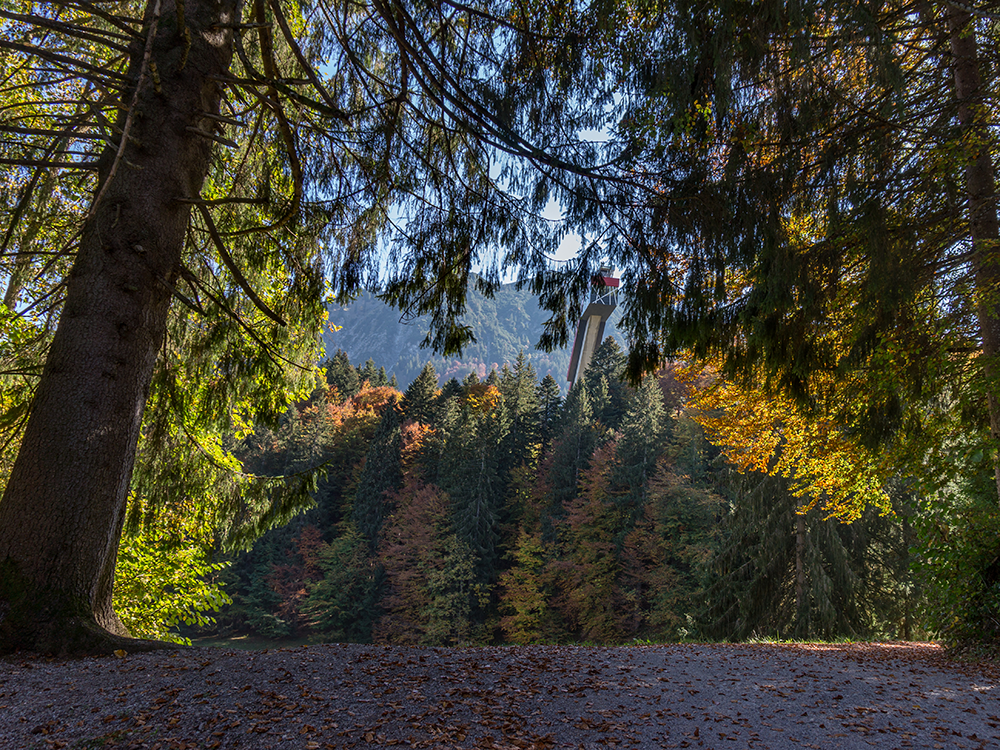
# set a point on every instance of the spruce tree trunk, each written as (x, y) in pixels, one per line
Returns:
(62, 513)
(981, 195)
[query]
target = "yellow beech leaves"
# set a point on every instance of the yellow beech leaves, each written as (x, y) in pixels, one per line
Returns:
(769, 432)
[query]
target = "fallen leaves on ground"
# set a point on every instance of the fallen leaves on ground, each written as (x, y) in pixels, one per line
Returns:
(517, 698)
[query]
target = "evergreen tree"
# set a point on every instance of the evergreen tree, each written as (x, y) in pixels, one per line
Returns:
(257, 604)
(641, 443)
(608, 364)
(668, 553)
(571, 453)
(456, 595)
(518, 386)
(341, 605)
(367, 372)
(419, 400)
(342, 375)
(600, 399)
(469, 473)
(793, 202)
(799, 575)
(449, 390)
(232, 319)
(447, 415)
(549, 411)
(527, 590)
(519, 447)
(382, 473)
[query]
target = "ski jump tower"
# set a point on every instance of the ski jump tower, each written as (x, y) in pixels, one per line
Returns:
(590, 329)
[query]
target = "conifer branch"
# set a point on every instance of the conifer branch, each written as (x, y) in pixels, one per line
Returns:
(65, 133)
(221, 201)
(90, 72)
(271, 69)
(187, 302)
(50, 163)
(78, 32)
(118, 21)
(22, 203)
(233, 268)
(221, 118)
(306, 66)
(211, 136)
(218, 300)
(439, 84)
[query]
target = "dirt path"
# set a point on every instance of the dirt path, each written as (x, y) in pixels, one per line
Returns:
(343, 696)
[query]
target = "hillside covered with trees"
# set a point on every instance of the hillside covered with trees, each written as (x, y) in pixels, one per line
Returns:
(494, 511)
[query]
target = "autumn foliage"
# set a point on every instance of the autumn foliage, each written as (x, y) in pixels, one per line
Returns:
(471, 514)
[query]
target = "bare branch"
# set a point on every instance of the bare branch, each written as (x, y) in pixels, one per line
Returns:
(46, 163)
(211, 136)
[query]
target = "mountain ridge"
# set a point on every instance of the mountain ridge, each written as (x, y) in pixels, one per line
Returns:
(504, 325)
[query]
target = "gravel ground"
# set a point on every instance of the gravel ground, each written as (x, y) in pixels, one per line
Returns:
(343, 696)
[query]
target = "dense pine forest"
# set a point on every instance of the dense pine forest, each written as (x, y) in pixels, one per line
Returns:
(495, 511)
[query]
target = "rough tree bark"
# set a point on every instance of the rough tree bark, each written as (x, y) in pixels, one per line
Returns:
(62, 513)
(980, 185)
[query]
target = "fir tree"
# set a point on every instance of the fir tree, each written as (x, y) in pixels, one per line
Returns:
(341, 605)
(518, 386)
(367, 372)
(469, 473)
(456, 594)
(525, 593)
(342, 375)
(549, 411)
(802, 575)
(571, 453)
(382, 473)
(667, 554)
(641, 443)
(419, 400)
(608, 363)
(449, 390)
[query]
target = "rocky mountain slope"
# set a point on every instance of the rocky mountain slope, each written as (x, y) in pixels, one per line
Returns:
(505, 325)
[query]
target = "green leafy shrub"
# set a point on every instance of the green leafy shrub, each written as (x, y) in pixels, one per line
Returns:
(959, 559)
(165, 578)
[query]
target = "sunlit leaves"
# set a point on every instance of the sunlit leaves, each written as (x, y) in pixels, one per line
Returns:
(165, 576)
(770, 433)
